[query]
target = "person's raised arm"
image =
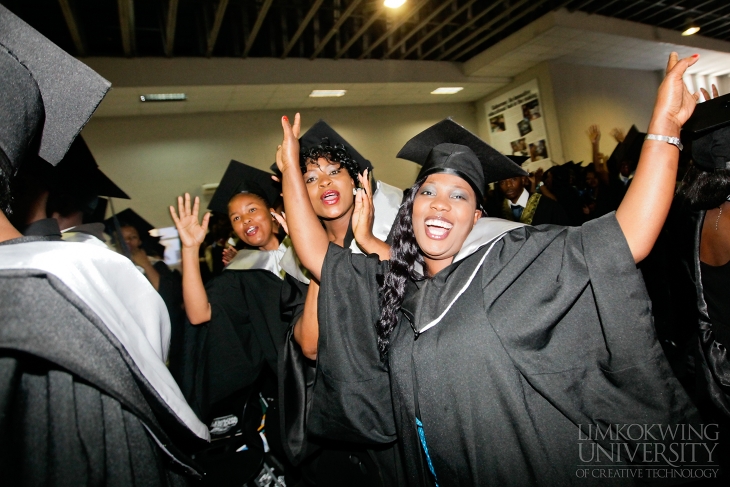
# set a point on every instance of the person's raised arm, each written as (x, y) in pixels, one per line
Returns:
(644, 209)
(192, 235)
(307, 235)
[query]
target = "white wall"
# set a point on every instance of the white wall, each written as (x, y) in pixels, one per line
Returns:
(156, 158)
(609, 97)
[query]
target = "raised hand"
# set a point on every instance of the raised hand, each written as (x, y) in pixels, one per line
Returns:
(618, 134)
(287, 154)
(594, 134)
(364, 213)
(707, 96)
(282, 221)
(674, 103)
(190, 231)
(229, 253)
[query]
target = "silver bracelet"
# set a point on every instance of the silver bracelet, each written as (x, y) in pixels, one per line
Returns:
(665, 138)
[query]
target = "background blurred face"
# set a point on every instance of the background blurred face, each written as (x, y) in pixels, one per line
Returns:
(252, 221)
(330, 188)
(512, 188)
(625, 169)
(444, 212)
(591, 180)
(131, 238)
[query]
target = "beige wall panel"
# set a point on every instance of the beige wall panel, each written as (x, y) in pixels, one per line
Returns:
(156, 158)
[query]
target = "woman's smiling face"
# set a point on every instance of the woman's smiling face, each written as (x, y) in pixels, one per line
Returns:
(444, 212)
(330, 188)
(252, 221)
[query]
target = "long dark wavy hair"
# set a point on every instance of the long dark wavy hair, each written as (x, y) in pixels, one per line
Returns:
(404, 253)
(333, 153)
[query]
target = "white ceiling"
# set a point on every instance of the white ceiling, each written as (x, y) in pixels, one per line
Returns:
(248, 85)
(125, 101)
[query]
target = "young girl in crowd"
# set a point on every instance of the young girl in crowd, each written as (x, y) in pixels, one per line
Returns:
(491, 349)
(239, 329)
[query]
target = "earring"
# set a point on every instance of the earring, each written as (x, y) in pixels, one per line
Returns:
(354, 191)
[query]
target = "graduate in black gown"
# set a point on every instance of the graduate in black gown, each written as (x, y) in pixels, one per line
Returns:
(489, 347)
(85, 398)
(332, 170)
(701, 237)
(238, 329)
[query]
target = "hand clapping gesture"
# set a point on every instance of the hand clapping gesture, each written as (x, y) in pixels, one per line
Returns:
(191, 232)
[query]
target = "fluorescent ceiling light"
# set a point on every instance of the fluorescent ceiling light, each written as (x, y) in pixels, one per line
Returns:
(447, 90)
(394, 3)
(164, 97)
(690, 27)
(326, 93)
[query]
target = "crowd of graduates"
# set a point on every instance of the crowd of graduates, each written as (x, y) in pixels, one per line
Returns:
(328, 328)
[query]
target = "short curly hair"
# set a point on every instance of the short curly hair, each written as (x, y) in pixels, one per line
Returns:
(333, 153)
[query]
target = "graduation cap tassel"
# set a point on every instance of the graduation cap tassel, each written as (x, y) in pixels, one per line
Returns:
(117, 234)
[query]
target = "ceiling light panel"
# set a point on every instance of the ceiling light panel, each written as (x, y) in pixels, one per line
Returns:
(447, 90)
(164, 97)
(327, 93)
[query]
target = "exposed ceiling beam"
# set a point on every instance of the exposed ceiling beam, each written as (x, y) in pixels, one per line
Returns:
(684, 14)
(604, 6)
(73, 27)
(126, 26)
(438, 28)
(654, 11)
(302, 25)
(257, 26)
(461, 29)
(404, 17)
(335, 28)
(503, 26)
(417, 28)
(378, 12)
(170, 27)
(220, 12)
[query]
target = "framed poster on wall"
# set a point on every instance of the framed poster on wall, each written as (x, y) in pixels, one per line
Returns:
(517, 126)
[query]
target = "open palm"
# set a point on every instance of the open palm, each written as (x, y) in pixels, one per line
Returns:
(190, 231)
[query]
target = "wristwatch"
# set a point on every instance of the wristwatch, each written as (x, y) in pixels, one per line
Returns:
(665, 138)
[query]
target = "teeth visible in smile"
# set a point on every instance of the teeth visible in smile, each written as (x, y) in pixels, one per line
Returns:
(250, 231)
(439, 223)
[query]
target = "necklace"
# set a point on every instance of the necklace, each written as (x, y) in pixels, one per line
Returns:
(717, 221)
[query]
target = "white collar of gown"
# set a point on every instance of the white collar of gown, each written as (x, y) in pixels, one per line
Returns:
(124, 301)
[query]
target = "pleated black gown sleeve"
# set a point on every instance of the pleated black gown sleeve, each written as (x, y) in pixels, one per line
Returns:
(576, 321)
(296, 377)
(352, 399)
(74, 408)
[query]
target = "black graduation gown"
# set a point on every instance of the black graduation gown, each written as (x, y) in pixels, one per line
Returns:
(74, 407)
(552, 332)
(243, 335)
(324, 461)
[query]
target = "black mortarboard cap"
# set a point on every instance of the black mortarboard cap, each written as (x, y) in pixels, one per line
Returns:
(46, 96)
(242, 178)
(321, 133)
(78, 173)
(131, 218)
(519, 160)
(449, 147)
(628, 150)
(707, 133)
